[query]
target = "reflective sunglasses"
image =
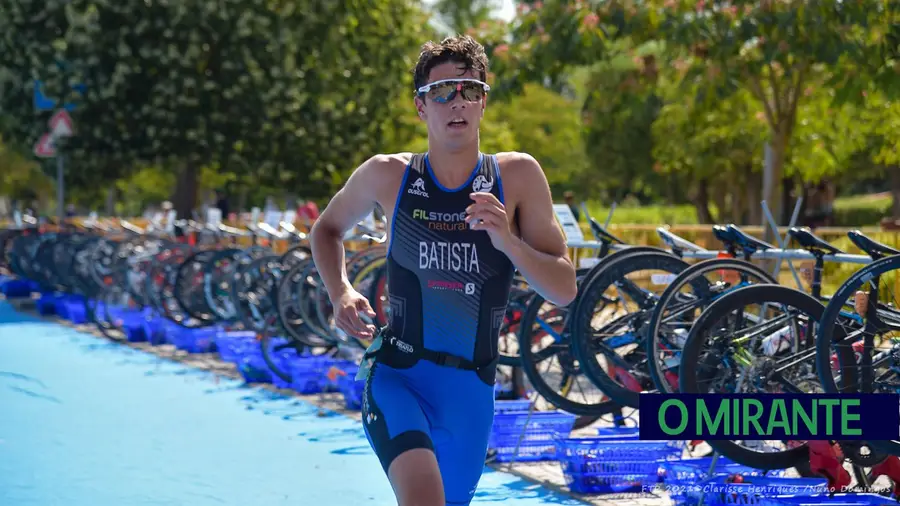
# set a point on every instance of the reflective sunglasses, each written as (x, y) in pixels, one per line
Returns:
(445, 90)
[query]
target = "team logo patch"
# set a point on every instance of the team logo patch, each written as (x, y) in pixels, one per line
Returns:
(481, 184)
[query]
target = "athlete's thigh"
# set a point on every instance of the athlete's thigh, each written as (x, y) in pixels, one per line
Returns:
(460, 431)
(392, 416)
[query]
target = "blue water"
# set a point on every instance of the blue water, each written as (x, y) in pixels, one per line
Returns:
(86, 422)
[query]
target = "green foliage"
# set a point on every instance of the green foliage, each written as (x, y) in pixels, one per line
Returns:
(21, 178)
(864, 211)
(547, 125)
(771, 51)
(645, 215)
(620, 105)
(461, 15)
(292, 90)
(619, 100)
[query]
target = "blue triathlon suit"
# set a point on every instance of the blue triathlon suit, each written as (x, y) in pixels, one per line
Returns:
(448, 289)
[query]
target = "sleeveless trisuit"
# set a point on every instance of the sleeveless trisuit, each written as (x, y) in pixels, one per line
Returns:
(431, 385)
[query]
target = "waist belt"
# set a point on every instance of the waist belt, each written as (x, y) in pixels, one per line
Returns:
(437, 357)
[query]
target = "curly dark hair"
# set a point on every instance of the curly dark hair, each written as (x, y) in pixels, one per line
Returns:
(461, 49)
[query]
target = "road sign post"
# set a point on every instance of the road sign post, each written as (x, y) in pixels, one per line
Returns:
(61, 127)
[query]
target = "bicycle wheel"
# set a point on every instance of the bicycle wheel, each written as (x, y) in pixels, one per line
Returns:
(289, 298)
(682, 302)
(732, 348)
(610, 330)
(549, 365)
(858, 349)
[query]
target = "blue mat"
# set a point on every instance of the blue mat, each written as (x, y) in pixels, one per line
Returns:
(86, 422)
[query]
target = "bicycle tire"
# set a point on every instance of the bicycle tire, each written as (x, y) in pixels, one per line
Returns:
(582, 332)
(681, 281)
(742, 297)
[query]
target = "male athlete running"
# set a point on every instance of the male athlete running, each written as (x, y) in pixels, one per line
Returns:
(460, 223)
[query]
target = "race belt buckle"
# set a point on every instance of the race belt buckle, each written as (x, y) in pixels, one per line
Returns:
(368, 359)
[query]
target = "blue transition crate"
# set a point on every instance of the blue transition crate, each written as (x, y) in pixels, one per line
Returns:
(752, 490)
(351, 389)
(252, 366)
(533, 433)
(309, 374)
(613, 462)
(680, 474)
(197, 340)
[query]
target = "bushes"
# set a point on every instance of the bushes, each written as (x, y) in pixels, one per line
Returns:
(857, 211)
(861, 211)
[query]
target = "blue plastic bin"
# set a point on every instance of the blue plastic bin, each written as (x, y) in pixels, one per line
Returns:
(533, 433)
(678, 475)
(72, 308)
(309, 374)
(252, 366)
(351, 389)
(827, 500)
(231, 344)
(198, 340)
(16, 288)
(613, 463)
(511, 406)
(754, 490)
(46, 304)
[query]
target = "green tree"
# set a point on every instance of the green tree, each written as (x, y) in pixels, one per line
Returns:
(548, 126)
(773, 50)
(294, 91)
(880, 119)
(20, 177)
(620, 105)
(461, 15)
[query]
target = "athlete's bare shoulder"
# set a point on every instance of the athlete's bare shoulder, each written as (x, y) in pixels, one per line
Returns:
(520, 170)
(378, 178)
(517, 161)
(380, 172)
(388, 163)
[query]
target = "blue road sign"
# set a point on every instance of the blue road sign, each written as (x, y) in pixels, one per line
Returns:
(44, 103)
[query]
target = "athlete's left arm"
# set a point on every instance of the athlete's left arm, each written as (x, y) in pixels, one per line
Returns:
(540, 254)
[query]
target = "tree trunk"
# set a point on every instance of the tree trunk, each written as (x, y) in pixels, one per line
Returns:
(804, 205)
(185, 198)
(737, 205)
(672, 189)
(111, 201)
(894, 176)
(701, 202)
(787, 202)
(754, 196)
(719, 198)
(772, 191)
(242, 200)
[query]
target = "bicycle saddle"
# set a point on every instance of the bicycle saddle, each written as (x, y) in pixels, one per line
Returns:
(811, 242)
(747, 241)
(872, 247)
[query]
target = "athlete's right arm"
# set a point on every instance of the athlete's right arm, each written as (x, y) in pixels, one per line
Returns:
(350, 205)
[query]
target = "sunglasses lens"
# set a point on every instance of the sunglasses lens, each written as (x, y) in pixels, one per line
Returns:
(472, 92)
(442, 93)
(446, 92)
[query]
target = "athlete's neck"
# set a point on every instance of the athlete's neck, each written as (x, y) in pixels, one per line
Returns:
(453, 167)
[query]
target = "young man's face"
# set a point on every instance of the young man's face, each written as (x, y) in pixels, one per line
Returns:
(456, 121)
